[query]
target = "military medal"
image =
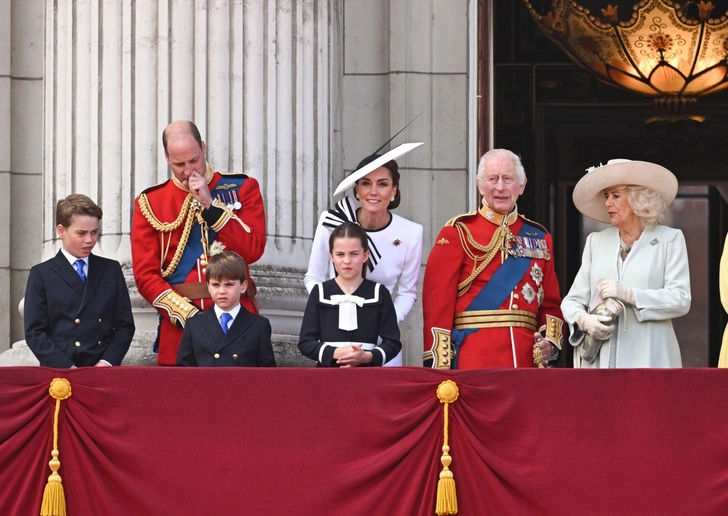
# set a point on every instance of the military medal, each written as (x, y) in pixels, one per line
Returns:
(236, 202)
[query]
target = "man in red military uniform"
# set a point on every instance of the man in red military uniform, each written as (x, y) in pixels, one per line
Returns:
(491, 297)
(179, 223)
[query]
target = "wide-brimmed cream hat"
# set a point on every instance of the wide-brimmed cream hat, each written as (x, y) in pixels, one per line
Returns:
(589, 191)
(355, 176)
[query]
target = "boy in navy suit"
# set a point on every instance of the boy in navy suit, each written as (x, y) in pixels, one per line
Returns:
(227, 334)
(77, 307)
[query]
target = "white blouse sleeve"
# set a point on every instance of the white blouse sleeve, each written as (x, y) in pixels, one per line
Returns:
(408, 279)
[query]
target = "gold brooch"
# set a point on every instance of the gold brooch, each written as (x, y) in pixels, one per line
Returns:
(396, 241)
(442, 241)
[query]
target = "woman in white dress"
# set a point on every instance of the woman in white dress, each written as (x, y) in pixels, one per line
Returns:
(395, 243)
(638, 268)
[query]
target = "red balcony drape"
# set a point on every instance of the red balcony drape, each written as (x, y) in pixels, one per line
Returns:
(157, 441)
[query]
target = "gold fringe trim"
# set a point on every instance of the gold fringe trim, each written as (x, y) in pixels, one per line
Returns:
(54, 500)
(447, 500)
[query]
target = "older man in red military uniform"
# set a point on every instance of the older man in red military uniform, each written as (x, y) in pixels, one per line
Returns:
(178, 224)
(491, 297)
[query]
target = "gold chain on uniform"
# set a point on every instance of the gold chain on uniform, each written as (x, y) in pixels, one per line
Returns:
(188, 213)
(499, 242)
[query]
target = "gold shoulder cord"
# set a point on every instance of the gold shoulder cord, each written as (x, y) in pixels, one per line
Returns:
(188, 213)
(499, 242)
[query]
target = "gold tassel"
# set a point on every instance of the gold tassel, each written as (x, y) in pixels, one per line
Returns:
(54, 500)
(447, 500)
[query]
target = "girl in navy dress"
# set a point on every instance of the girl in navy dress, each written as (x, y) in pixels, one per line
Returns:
(346, 317)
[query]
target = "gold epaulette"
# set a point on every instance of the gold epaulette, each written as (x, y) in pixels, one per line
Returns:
(534, 223)
(452, 221)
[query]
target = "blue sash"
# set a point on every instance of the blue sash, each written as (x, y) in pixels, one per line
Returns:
(497, 289)
(226, 190)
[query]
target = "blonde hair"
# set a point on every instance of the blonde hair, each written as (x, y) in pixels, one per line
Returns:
(647, 204)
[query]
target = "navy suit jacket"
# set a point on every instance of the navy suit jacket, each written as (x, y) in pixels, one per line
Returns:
(69, 322)
(247, 342)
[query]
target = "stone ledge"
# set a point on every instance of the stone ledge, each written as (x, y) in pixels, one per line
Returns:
(140, 353)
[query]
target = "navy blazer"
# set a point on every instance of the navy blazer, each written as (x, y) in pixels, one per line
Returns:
(69, 322)
(246, 343)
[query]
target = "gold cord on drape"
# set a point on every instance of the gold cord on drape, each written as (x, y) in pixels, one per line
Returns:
(54, 500)
(447, 500)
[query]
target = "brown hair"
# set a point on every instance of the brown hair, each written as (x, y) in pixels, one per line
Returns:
(226, 266)
(75, 205)
(350, 230)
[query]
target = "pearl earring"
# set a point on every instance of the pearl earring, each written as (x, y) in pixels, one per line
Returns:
(391, 199)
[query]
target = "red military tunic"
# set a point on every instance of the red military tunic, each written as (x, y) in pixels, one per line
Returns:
(503, 336)
(237, 216)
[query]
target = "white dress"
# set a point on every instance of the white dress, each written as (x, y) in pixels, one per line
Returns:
(395, 255)
(657, 270)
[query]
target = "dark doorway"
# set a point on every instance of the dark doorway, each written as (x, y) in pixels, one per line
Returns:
(561, 121)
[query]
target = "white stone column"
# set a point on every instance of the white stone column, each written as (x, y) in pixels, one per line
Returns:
(403, 58)
(21, 128)
(254, 76)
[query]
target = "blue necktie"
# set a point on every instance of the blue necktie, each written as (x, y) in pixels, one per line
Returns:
(79, 269)
(225, 318)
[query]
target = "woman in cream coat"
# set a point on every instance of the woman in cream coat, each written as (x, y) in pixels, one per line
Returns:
(639, 263)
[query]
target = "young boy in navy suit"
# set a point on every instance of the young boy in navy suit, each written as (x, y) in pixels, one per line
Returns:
(77, 307)
(227, 334)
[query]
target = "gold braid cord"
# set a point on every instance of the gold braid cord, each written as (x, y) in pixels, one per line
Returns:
(447, 500)
(189, 212)
(54, 499)
(499, 242)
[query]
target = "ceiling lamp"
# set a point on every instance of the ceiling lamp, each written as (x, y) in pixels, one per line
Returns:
(671, 52)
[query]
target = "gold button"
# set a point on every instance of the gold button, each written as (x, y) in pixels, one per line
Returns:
(515, 296)
(78, 344)
(217, 355)
(235, 357)
(78, 321)
(444, 346)
(444, 339)
(99, 319)
(515, 307)
(99, 343)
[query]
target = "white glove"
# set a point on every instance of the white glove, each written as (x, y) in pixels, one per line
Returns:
(610, 288)
(593, 325)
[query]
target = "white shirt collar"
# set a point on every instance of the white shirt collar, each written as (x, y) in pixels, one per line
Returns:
(233, 313)
(72, 259)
